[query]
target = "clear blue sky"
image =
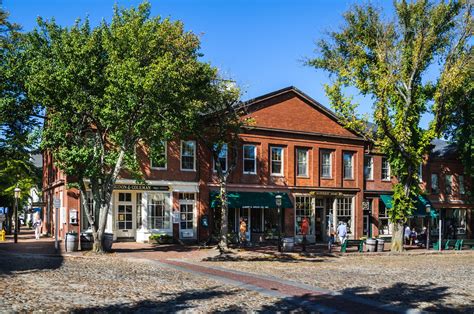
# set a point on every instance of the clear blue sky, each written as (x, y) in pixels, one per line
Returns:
(258, 43)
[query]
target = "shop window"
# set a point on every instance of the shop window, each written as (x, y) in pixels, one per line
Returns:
(256, 219)
(158, 214)
(348, 165)
(455, 222)
(304, 207)
(250, 159)
(95, 216)
(158, 160)
(276, 160)
(344, 211)
(139, 208)
(384, 222)
(302, 160)
(188, 155)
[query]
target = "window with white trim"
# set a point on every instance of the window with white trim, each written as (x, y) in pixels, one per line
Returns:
(385, 169)
(304, 207)
(326, 164)
(384, 222)
(188, 155)
(276, 161)
(302, 162)
(158, 211)
(462, 189)
(250, 159)
(456, 217)
(348, 165)
(344, 211)
(158, 158)
(448, 179)
(222, 158)
(369, 167)
(434, 183)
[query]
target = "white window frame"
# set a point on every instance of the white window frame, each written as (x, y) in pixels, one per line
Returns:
(387, 178)
(306, 175)
(344, 166)
(214, 168)
(254, 160)
(434, 187)
(181, 156)
(330, 164)
(462, 188)
(450, 185)
(371, 175)
(165, 146)
(420, 172)
(282, 150)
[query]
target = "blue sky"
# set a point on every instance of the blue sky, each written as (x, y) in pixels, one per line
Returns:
(259, 43)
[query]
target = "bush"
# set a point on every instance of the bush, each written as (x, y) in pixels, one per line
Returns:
(161, 238)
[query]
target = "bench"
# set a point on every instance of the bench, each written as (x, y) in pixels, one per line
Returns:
(445, 244)
(466, 242)
(347, 243)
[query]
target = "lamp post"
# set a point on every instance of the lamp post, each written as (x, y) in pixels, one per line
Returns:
(17, 197)
(428, 211)
(278, 204)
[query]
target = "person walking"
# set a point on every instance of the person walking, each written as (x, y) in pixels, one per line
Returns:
(304, 231)
(243, 231)
(407, 234)
(342, 232)
(331, 235)
(37, 226)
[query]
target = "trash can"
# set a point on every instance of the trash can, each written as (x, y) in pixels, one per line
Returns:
(380, 244)
(72, 242)
(371, 245)
(107, 240)
(288, 244)
(87, 240)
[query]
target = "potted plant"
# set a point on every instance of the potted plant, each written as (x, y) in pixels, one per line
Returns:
(160, 238)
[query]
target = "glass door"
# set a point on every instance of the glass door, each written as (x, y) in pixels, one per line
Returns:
(125, 217)
(187, 218)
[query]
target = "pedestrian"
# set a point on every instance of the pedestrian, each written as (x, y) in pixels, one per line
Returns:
(37, 226)
(331, 235)
(304, 231)
(243, 231)
(407, 234)
(342, 232)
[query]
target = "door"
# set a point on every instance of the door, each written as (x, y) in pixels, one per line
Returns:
(245, 214)
(366, 226)
(186, 222)
(125, 216)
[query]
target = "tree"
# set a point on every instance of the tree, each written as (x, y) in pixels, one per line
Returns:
(218, 131)
(110, 91)
(388, 60)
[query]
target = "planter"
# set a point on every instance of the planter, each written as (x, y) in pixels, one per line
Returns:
(107, 240)
(165, 241)
(72, 242)
(87, 240)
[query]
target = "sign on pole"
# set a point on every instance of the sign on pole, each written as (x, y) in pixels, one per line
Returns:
(56, 202)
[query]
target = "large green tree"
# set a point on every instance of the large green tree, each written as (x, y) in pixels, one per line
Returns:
(408, 65)
(111, 89)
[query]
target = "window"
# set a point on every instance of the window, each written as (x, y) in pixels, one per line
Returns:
(369, 167)
(462, 190)
(222, 158)
(434, 183)
(158, 157)
(302, 160)
(455, 222)
(385, 169)
(159, 215)
(95, 215)
(420, 172)
(344, 211)
(347, 159)
(188, 155)
(276, 160)
(250, 159)
(448, 184)
(304, 208)
(326, 165)
(384, 222)
(139, 207)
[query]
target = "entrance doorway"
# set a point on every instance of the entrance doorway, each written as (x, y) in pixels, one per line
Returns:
(125, 216)
(187, 209)
(244, 213)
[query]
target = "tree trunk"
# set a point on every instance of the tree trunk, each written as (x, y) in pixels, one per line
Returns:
(397, 237)
(224, 218)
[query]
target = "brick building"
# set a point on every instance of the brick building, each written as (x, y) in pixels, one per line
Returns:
(296, 149)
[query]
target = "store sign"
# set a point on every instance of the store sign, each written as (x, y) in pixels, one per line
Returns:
(38, 204)
(56, 202)
(326, 193)
(141, 187)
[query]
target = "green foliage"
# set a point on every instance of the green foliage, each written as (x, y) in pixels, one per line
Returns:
(387, 60)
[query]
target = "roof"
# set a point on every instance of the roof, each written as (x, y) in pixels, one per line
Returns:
(443, 149)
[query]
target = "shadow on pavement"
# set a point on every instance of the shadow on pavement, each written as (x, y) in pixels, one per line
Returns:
(172, 303)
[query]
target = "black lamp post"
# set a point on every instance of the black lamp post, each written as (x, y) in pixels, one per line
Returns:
(428, 212)
(278, 204)
(17, 197)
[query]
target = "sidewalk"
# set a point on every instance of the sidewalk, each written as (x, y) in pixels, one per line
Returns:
(27, 244)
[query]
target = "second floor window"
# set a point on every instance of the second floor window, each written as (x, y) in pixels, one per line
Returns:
(462, 190)
(434, 183)
(347, 159)
(326, 165)
(369, 167)
(222, 159)
(302, 166)
(448, 184)
(188, 155)
(276, 160)
(385, 169)
(158, 161)
(250, 159)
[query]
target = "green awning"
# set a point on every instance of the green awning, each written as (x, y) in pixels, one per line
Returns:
(420, 203)
(251, 199)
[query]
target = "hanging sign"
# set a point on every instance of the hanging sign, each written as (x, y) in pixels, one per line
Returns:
(140, 187)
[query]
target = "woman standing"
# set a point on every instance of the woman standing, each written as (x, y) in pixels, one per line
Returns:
(37, 225)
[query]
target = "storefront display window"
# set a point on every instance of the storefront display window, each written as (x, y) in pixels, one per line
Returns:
(159, 212)
(455, 222)
(344, 211)
(304, 208)
(384, 222)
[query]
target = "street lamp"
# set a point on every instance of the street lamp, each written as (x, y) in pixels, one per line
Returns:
(17, 197)
(278, 204)
(428, 212)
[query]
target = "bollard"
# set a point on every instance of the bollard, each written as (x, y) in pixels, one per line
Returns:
(2, 235)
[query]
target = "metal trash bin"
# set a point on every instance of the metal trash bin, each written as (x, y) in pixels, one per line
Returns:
(371, 245)
(107, 240)
(380, 245)
(288, 244)
(87, 240)
(72, 242)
